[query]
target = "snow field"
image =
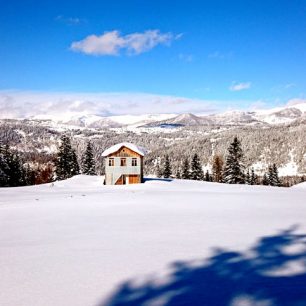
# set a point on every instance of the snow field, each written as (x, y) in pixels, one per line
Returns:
(73, 243)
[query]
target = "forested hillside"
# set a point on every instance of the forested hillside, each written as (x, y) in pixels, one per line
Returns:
(284, 145)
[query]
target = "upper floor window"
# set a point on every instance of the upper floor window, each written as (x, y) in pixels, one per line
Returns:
(134, 161)
(123, 162)
(111, 162)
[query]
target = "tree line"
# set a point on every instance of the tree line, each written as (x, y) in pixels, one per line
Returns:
(14, 172)
(230, 171)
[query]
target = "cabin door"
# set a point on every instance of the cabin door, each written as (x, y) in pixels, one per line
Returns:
(124, 179)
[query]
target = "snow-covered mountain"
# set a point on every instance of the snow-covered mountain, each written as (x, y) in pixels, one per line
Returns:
(274, 116)
(268, 136)
(259, 117)
(181, 120)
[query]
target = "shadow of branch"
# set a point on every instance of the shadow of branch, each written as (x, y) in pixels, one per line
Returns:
(273, 272)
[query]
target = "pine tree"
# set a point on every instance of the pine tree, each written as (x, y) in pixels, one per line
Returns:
(186, 171)
(4, 168)
(277, 181)
(11, 169)
(248, 178)
(265, 180)
(234, 168)
(30, 175)
(208, 176)
(273, 176)
(66, 161)
(75, 169)
(178, 174)
(253, 180)
(16, 172)
(196, 169)
(88, 162)
(167, 168)
(217, 168)
(159, 172)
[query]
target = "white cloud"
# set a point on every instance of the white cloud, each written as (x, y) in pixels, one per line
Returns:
(23, 104)
(239, 86)
(62, 105)
(296, 101)
(111, 43)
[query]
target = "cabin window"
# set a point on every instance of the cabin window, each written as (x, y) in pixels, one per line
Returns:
(123, 162)
(134, 161)
(111, 162)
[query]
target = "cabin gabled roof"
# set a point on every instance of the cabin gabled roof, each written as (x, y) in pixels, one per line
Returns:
(141, 151)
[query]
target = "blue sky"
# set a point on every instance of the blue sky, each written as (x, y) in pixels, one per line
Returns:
(235, 53)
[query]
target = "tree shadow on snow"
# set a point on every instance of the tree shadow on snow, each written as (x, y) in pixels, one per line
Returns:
(273, 272)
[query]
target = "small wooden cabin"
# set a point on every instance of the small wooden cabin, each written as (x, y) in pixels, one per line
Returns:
(123, 164)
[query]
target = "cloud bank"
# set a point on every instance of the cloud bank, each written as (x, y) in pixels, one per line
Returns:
(62, 106)
(19, 104)
(113, 43)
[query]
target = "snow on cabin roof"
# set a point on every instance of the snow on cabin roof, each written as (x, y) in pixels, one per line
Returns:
(131, 146)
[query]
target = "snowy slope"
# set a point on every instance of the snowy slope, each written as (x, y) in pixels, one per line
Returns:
(76, 242)
(280, 115)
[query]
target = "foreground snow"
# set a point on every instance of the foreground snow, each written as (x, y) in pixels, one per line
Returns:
(75, 243)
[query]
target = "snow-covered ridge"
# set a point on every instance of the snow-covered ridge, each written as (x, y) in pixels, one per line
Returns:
(280, 115)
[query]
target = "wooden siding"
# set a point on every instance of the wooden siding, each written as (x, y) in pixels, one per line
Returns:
(119, 174)
(134, 179)
(124, 152)
(119, 181)
(128, 179)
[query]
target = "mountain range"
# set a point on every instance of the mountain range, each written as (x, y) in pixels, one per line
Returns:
(274, 116)
(267, 136)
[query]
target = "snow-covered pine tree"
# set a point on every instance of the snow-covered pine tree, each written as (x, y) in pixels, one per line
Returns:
(276, 177)
(12, 169)
(75, 169)
(185, 170)
(273, 176)
(234, 168)
(167, 168)
(196, 169)
(88, 162)
(66, 161)
(217, 168)
(4, 168)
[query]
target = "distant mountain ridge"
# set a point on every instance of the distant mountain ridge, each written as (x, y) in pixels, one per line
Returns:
(268, 136)
(266, 117)
(287, 114)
